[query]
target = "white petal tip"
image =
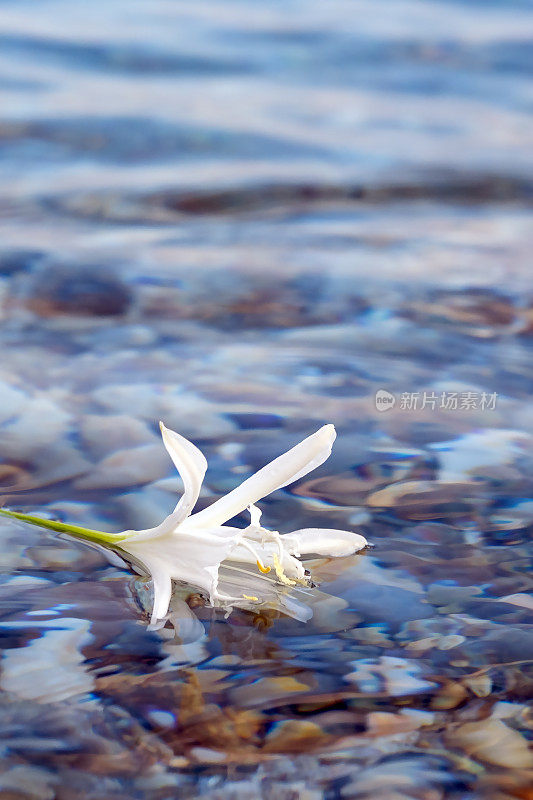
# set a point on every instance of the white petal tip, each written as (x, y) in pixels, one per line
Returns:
(328, 431)
(325, 542)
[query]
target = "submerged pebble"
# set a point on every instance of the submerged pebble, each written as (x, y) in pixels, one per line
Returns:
(90, 291)
(391, 675)
(493, 741)
(50, 668)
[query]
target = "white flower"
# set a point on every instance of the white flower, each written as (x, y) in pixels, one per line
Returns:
(233, 566)
(192, 547)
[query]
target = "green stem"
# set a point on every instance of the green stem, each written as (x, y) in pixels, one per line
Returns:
(100, 537)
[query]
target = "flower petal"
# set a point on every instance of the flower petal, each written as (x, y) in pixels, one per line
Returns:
(285, 469)
(191, 465)
(191, 557)
(162, 591)
(323, 542)
(185, 622)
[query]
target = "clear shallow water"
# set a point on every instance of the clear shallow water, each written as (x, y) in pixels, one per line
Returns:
(246, 220)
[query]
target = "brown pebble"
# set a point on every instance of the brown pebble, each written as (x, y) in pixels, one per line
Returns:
(195, 600)
(449, 696)
(295, 736)
(77, 291)
(492, 741)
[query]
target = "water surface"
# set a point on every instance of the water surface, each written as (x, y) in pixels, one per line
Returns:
(247, 219)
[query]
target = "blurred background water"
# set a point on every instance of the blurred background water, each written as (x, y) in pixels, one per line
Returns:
(246, 219)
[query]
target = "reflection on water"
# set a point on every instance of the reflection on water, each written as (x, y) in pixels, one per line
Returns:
(247, 219)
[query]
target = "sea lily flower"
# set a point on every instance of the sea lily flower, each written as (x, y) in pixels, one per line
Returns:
(191, 548)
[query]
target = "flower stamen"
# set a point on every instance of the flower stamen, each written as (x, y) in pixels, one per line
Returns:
(280, 572)
(242, 541)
